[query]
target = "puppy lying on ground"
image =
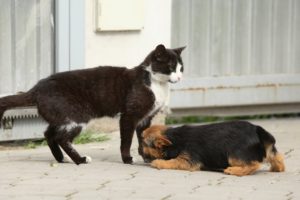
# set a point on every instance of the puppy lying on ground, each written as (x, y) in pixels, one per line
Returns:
(235, 148)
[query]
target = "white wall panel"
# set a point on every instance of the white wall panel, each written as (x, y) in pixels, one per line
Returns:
(233, 41)
(26, 48)
(295, 40)
(6, 65)
(232, 37)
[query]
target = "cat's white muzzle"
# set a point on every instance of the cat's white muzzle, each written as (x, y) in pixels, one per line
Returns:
(175, 77)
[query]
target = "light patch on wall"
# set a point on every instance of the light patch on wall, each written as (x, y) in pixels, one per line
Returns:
(119, 15)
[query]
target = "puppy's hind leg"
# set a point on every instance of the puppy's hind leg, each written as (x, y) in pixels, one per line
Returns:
(241, 168)
(182, 162)
(275, 159)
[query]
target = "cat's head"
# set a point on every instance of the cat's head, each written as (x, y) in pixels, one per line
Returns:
(165, 65)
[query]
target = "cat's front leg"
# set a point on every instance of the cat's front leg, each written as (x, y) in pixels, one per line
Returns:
(139, 130)
(127, 126)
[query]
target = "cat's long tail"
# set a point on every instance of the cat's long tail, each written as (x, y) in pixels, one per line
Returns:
(13, 101)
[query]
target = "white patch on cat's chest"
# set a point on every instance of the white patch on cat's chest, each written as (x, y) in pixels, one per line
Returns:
(161, 94)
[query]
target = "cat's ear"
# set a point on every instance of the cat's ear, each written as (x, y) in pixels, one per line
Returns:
(160, 51)
(160, 48)
(179, 50)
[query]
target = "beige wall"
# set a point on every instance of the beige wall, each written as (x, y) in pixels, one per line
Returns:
(127, 48)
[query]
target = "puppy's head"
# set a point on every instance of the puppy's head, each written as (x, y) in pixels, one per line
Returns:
(153, 142)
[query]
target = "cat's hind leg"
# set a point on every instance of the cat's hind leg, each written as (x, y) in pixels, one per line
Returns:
(64, 138)
(69, 115)
(50, 135)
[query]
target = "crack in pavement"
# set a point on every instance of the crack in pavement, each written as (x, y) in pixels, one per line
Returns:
(166, 197)
(12, 184)
(287, 154)
(16, 182)
(194, 189)
(220, 180)
(103, 185)
(70, 195)
(289, 196)
(132, 176)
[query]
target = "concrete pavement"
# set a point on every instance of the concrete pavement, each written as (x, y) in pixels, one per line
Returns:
(33, 174)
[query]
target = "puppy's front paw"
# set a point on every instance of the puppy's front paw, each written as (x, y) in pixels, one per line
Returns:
(158, 163)
(236, 171)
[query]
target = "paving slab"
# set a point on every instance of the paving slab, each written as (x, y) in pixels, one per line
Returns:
(33, 174)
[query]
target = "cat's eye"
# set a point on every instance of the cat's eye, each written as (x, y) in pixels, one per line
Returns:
(172, 64)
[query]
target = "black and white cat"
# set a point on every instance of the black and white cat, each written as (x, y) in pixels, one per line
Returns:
(69, 100)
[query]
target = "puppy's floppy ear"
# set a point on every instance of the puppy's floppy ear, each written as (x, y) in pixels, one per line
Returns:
(179, 50)
(161, 141)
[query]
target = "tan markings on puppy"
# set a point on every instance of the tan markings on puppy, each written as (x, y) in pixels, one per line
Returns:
(240, 168)
(161, 141)
(152, 152)
(155, 130)
(277, 163)
(275, 159)
(182, 162)
(154, 141)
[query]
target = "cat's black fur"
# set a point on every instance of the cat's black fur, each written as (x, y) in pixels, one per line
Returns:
(67, 100)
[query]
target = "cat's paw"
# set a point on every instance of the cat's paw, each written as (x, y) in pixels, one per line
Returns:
(127, 159)
(88, 159)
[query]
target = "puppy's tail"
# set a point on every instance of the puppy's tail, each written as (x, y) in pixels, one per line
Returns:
(13, 101)
(272, 155)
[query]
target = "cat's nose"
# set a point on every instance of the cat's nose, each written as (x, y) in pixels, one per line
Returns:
(179, 78)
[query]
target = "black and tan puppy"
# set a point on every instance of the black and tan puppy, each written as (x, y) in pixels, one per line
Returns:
(236, 148)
